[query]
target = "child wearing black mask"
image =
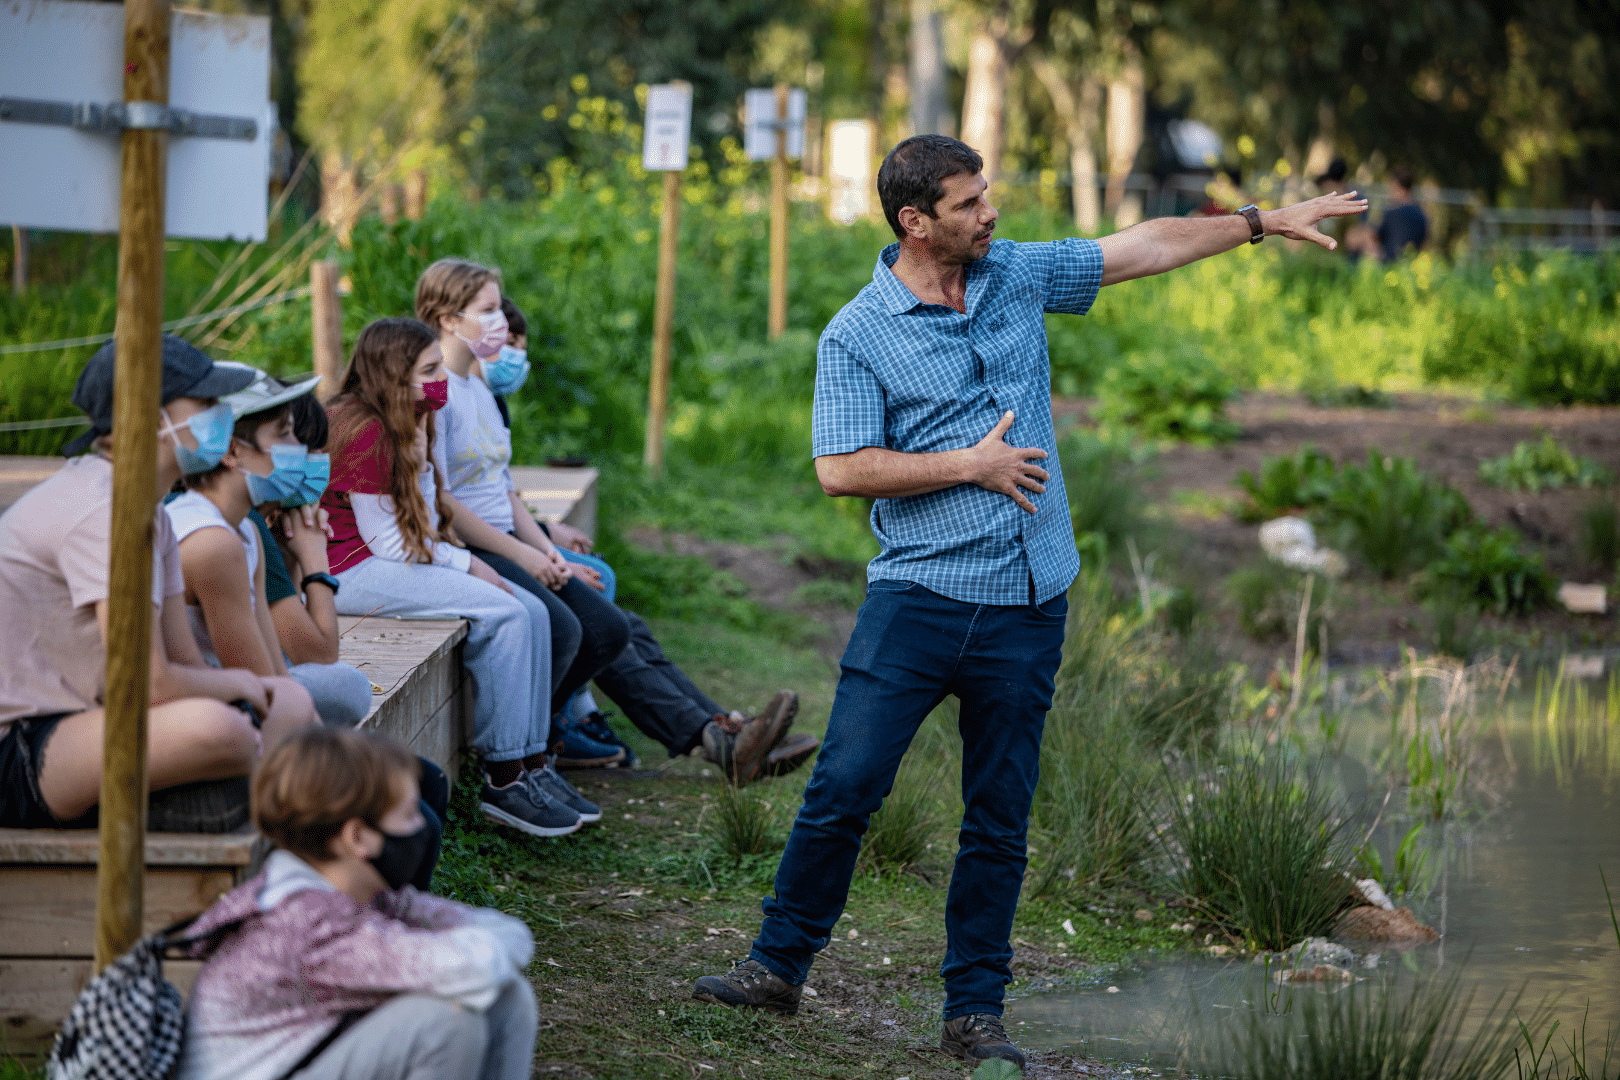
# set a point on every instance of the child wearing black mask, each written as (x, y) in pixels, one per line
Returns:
(328, 963)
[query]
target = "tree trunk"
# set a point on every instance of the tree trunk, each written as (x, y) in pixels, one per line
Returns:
(1127, 116)
(1079, 113)
(930, 99)
(985, 100)
(339, 196)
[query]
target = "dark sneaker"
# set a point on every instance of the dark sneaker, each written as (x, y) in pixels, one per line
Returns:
(790, 753)
(979, 1037)
(577, 750)
(752, 984)
(207, 806)
(528, 807)
(758, 736)
(552, 782)
(595, 726)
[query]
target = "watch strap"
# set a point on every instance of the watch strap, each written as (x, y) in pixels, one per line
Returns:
(1251, 214)
(323, 578)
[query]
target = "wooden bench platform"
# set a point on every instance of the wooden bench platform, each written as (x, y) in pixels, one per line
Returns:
(421, 695)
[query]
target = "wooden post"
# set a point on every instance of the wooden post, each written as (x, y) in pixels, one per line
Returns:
(19, 260)
(415, 195)
(326, 326)
(777, 321)
(669, 227)
(121, 872)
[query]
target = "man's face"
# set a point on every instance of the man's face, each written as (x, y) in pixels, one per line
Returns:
(963, 221)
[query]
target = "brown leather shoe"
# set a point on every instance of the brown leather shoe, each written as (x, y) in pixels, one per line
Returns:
(979, 1037)
(759, 735)
(794, 750)
(749, 983)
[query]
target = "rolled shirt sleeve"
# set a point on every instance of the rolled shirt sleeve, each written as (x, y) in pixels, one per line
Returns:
(849, 402)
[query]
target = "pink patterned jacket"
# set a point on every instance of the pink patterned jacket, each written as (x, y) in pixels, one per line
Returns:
(307, 954)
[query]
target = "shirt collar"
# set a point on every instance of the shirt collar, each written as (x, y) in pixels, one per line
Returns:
(897, 299)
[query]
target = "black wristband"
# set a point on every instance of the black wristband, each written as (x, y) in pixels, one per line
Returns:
(323, 578)
(1251, 214)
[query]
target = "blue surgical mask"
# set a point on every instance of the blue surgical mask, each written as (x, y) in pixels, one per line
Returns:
(212, 430)
(316, 470)
(286, 474)
(506, 372)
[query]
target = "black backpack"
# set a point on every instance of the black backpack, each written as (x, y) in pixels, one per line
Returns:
(129, 1022)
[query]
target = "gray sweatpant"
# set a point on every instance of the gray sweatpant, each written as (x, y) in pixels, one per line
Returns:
(341, 691)
(419, 1037)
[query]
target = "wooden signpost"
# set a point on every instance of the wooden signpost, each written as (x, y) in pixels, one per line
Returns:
(664, 149)
(50, 50)
(326, 326)
(775, 132)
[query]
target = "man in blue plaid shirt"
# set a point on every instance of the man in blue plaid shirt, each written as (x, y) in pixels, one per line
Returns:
(933, 396)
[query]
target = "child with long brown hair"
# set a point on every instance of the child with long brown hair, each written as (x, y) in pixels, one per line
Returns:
(393, 553)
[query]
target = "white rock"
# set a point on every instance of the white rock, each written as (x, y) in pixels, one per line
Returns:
(1583, 599)
(1373, 893)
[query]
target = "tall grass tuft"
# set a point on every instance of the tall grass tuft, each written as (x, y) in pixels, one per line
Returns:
(1373, 1032)
(742, 824)
(1600, 533)
(1260, 849)
(900, 832)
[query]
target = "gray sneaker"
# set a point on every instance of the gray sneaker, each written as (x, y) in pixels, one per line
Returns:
(526, 806)
(552, 782)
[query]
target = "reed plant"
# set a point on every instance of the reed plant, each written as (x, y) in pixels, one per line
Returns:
(901, 832)
(1260, 848)
(740, 823)
(1375, 1031)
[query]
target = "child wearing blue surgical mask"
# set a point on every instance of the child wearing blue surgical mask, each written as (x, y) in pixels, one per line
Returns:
(225, 561)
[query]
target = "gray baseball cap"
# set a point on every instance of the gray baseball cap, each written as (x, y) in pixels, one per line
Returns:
(187, 372)
(264, 392)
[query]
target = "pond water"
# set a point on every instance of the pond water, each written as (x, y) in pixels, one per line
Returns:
(1512, 884)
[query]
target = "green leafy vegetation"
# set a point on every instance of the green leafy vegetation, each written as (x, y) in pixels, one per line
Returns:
(1173, 394)
(1600, 533)
(1395, 516)
(1543, 465)
(1487, 569)
(1288, 485)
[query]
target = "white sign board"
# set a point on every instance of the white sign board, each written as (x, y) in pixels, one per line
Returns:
(669, 127)
(54, 177)
(759, 124)
(849, 170)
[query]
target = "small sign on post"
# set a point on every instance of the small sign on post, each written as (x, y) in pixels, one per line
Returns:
(849, 170)
(775, 132)
(664, 149)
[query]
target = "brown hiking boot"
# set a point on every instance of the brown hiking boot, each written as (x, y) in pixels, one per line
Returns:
(794, 750)
(752, 984)
(979, 1037)
(760, 734)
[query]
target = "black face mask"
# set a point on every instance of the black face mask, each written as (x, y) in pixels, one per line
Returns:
(401, 856)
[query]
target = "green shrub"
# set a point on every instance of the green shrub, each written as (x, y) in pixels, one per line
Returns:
(1261, 849)
(1170, 394)
(1104, 501)
(1600, 533)
(1393, 515)
(740, 823)
(1533, 466)
(1487, 569)
(1286, 485)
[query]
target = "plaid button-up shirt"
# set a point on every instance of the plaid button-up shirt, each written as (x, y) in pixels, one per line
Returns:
(894, 372)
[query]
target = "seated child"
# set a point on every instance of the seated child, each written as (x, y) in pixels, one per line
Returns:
(226, 562)
(204, 722)
(655, 694)
(461, 300)
(328, 957)
(393, 554)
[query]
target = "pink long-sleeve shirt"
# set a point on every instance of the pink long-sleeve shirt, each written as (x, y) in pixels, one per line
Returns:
(307, 954)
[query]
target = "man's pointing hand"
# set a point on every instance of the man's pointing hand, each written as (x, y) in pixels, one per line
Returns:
(1003, 468)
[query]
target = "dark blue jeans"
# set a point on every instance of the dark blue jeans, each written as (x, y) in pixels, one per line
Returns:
(912, 647)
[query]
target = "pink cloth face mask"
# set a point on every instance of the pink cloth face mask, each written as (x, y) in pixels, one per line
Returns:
(489, 342)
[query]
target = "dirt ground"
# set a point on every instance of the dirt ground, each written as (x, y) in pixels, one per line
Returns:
(1195, 488)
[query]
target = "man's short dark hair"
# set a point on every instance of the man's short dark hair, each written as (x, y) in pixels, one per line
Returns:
(913, 174)
(1404, 176)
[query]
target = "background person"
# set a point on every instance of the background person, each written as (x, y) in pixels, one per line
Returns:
(920, 381)
(1404, 224)
(331, 929)
(53, 627)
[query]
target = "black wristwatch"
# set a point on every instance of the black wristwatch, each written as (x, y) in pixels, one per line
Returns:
(324, 578)
(1251, 214)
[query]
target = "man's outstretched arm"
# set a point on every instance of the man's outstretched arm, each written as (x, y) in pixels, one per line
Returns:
(1165, 243)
